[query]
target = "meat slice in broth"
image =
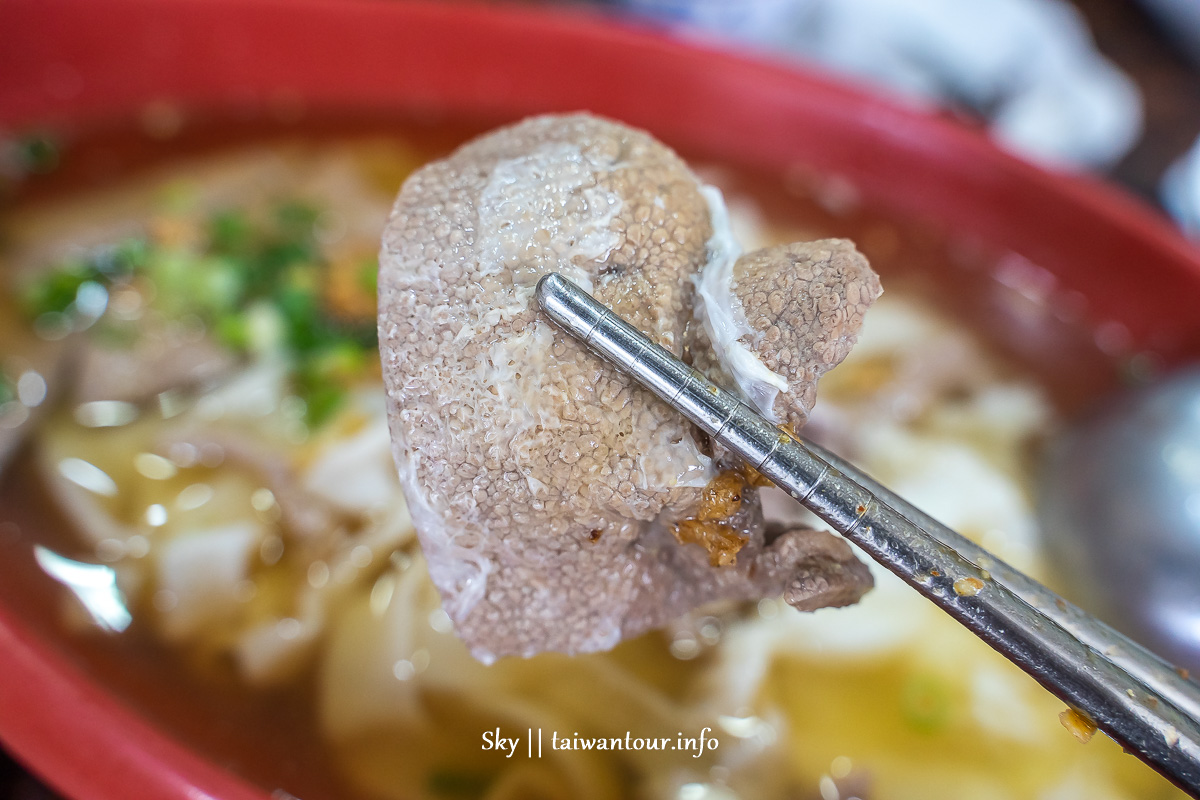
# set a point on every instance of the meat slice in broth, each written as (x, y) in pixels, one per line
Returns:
(559, 506)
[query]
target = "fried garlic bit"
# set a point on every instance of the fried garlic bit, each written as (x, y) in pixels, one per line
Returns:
(709, 525)
(1078, 724)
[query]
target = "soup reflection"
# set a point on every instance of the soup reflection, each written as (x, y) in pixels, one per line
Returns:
(192, 380)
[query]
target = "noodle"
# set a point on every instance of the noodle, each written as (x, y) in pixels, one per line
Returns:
(253, 538)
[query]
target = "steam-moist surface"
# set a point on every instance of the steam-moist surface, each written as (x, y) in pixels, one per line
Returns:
(802, 306)
(541, 483)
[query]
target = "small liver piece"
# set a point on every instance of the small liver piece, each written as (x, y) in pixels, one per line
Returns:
(805, 304)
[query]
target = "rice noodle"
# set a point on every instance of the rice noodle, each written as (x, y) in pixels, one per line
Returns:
(399, 696)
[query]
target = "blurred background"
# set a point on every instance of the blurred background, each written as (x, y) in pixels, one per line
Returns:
(1110, 87)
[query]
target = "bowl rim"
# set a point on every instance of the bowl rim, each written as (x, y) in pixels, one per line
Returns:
(80, 737)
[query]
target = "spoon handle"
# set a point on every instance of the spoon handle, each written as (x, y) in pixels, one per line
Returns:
(1143, 709)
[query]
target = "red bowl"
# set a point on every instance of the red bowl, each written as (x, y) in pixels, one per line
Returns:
(79, 63)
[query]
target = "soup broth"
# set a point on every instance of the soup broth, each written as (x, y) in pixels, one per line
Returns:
(220, 538)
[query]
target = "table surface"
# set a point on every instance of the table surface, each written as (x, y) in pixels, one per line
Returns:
(1171, 91)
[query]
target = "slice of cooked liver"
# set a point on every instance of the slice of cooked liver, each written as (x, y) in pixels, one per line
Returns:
(543, 484)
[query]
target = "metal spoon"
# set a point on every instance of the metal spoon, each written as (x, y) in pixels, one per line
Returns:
(1119, 502)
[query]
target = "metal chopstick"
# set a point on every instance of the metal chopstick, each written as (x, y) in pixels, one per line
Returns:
(1129, 693)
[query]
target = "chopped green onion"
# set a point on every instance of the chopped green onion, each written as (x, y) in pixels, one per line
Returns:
(368, 275)
(257, 286)
(229, 232)
(8, 389)
(458, 784)
(925, 703)
(37, 153)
